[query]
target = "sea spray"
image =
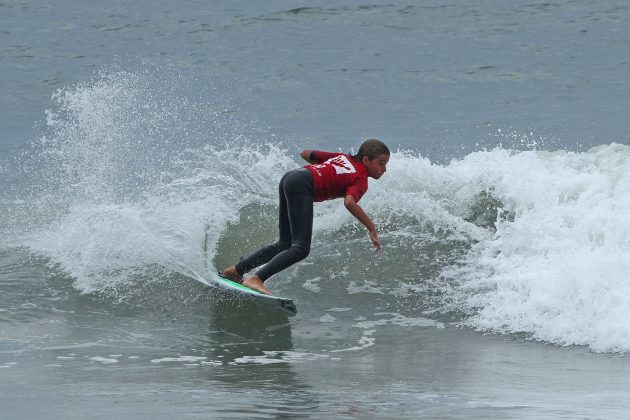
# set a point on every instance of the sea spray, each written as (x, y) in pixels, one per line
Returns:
(131, 175)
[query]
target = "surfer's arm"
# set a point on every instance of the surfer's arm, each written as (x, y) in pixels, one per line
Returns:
(308, 155)
(355, 209)
(317, 156)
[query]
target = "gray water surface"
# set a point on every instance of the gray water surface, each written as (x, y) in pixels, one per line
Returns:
(90, 330)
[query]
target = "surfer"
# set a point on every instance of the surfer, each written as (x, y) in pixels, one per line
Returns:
(326, 177)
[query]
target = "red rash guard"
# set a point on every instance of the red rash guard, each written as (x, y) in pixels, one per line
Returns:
(336, 175)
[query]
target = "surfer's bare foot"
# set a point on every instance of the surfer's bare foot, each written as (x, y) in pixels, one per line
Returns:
(254, 282)
(231, 274)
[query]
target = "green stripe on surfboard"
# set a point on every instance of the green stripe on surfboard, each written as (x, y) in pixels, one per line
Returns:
(283, 304)
(241, 287)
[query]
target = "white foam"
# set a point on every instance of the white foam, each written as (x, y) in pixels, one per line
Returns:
(180, 359)
(365, 286)
(103, 360)
(400, 320)
(312, 285)
(8, 365)
(367, 340)
(273, 357)
(327, 318)
(559, 271)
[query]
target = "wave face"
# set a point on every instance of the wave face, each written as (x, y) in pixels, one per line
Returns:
(134, 180)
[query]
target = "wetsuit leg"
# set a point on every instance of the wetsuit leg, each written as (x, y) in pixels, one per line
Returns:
(295, 225)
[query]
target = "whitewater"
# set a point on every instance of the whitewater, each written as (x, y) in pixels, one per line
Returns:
(535, 240)
(141, 145)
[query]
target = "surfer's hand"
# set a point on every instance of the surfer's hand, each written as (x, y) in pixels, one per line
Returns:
(374, 239)
(355, 209)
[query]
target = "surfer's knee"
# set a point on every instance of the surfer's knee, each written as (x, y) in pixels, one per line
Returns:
(282, 246)
(301, 251)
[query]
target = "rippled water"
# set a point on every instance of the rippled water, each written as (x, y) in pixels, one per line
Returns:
(142, 145)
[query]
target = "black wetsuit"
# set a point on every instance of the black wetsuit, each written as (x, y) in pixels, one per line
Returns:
(296, 193)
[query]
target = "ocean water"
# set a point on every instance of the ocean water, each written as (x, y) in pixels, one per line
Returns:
(140, 149)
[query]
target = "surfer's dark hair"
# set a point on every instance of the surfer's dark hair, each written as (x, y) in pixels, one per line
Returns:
(372, 148)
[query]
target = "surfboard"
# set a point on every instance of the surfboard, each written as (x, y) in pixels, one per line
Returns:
(284, 305)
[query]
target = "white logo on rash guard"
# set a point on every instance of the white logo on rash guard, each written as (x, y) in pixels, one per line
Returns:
(341, 164)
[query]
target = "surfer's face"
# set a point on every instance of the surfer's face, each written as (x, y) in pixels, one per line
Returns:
(377, 166)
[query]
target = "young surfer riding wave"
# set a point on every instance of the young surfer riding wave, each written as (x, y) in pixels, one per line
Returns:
(326, 177)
